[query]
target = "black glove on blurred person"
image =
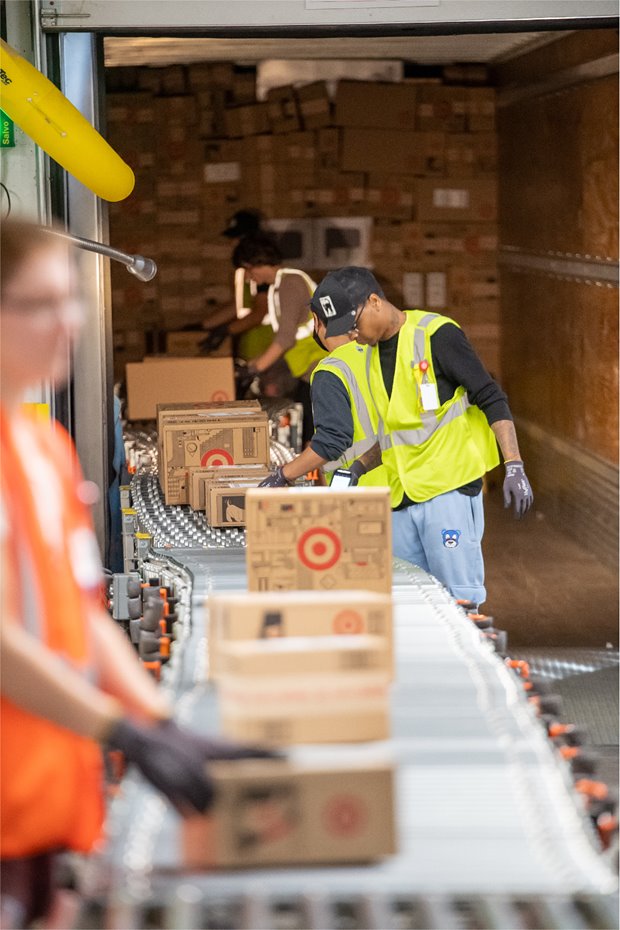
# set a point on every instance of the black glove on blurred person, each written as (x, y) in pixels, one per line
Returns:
(173, 760)
(517, 488)
(276, 480)
(215, 338)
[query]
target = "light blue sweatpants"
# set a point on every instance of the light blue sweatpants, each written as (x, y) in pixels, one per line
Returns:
(443, 536)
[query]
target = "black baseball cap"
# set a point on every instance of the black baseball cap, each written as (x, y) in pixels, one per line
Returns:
(243, 223)
(340, 295)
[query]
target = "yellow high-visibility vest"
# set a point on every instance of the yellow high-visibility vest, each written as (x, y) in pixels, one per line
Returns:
(305, 351)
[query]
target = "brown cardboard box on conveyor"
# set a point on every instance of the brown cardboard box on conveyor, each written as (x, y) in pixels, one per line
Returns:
(172, 380)
(316, 538)
(336, 806)
(225, 501)
(262, 615)
(200, 477)
(305, 689)
(208, 438)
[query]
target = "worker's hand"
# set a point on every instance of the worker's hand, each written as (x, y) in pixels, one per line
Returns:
(517, 488)
(244, 376)
(357, 469)
(215, 338)
(276, 480)
(173, 760)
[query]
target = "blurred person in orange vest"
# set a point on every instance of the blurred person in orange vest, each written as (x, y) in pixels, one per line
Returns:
(70, 681)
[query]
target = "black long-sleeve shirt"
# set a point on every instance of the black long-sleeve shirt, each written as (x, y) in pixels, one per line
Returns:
(455, 363)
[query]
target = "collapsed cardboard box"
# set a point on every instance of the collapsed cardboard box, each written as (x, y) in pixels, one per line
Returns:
(306, 811)
(305, 689)
(176, 380)
(200, 477)
(208, 438)
(261, 615)
(317, 538)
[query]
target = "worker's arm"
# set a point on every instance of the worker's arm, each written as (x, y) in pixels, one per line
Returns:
(120, 672)
(269, 357)
(506, 436)
(307, 461)
(36, 680)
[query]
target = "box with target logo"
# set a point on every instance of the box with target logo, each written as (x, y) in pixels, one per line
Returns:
(176, 380)
(263, 615)
(225, 501)
(209, 439)
(200, 478)
(305, 689)
(316, 538)
(318, 808)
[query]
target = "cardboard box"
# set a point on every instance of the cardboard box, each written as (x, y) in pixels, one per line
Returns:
(305, 812)
(262, 615)
(186, 344)
(442, 108)
(334, 709)
(316, 538)
(282, 110)
(200, 477)
(375, 105)
(460, 200)
(226, 504)
(282, 657)
(390, 151)
(208, 440)
(471, 154)
(314, 105)
(249, 120)
(176, 380)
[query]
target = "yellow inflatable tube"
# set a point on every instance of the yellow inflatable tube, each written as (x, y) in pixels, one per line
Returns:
(44, 114)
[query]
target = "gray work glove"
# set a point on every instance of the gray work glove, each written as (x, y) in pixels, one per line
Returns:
(517, 488)
(173, 760)
(357, 469)
(276, 480)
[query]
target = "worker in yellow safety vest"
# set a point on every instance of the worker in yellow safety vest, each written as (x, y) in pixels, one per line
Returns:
(250, 329)
(345, 417)
(288, 311)
(440, 417)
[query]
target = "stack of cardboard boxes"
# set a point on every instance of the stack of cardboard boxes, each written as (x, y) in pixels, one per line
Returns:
(419, 158)
(209, 454)
(304, 666)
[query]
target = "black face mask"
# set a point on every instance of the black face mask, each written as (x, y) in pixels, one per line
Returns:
(316, 338)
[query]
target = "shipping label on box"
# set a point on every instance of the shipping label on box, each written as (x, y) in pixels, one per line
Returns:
(315, 538)
(263, 615)
(177, 380)
(471, 200)
(279, 812)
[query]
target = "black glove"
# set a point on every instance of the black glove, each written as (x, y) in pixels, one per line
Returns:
(215, 338)
(276, 480)
(357, 469)
(173, 760)
(244, 375)
(517, 487)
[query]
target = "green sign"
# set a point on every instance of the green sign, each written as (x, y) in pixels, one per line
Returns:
(7, 136)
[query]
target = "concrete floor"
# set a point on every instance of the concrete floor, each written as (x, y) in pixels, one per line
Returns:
(542, 586)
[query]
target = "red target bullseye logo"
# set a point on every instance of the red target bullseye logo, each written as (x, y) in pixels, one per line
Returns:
(219, 395)
(319, 548)
(215, 457)
(344, 815)
(348, 621)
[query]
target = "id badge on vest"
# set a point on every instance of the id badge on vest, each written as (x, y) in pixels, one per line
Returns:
(429, 397)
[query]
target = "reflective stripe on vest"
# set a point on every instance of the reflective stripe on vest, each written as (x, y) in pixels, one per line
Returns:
(240, 286)
(416, 437)
(362, 445)
(273, 303)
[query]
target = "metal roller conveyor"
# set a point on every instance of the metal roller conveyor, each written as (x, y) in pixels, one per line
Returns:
(491, 832)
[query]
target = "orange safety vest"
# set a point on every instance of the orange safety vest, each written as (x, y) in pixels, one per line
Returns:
(51, 779)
